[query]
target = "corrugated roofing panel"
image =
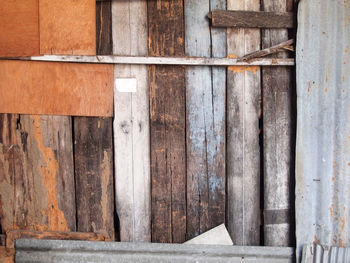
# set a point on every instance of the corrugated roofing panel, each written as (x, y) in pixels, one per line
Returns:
(323, 128)
(320, 254)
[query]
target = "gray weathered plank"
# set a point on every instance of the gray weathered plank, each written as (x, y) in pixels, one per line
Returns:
(278, 137)
(249, 19)
(205, 122)
(131, 123)
(243, 157)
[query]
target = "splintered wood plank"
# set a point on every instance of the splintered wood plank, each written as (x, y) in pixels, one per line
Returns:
(278, 136)
(252, 19)
(19, 27)
(167, 117)
(243, 156)
(36, 173)
(131, 124)
(67, 27)
(93, 155)
(205, 121)
(93, 148)
(56, 88)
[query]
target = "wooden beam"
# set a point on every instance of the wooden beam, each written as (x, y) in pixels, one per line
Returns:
(243, 151)
(251, 19)
(181, 61)
(131, 124)
(167, 120)
(205, 121)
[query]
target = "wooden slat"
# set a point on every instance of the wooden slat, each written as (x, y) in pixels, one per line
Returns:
(243, 157)
(278, 136)
(93, 155)
(205, 123)
(167, 120)
(19, 27)
(56, 88)
(131, 124)
(67, 27)
(249, 19)
(36, 173)
(7, 255)
(93, 148)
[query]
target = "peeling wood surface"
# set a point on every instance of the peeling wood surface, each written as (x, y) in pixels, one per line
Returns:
(56, 88)
(93, 155)
(250, 19)
(278, 136)
(131, 124)
(93, 152)
(67, 27)
(243, 156)
(19, 27)
(12, 235)
(36, 173)
(205, 122)
(7, 255)
(167, 120)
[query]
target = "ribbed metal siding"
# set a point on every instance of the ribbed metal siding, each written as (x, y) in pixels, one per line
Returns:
(323, 128)
(319, 254)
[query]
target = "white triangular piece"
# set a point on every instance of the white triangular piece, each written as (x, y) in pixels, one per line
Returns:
(216, 236)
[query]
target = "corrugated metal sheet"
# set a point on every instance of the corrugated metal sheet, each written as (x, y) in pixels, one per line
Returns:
(323, 133)
(31, 250)
(320, 254)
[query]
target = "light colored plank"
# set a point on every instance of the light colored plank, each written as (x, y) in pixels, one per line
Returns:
(205, 122)
(131, 123)
(278, 137)
(67, 27)
(30, 87)
(19, 27)
(187, 61)
(243, 157)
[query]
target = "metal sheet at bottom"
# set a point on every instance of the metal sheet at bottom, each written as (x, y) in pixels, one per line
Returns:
(322, 254)
(30, 250)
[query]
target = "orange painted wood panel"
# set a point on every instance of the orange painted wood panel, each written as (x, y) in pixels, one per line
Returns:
(19, 28)
(29, 87)
(68, 27)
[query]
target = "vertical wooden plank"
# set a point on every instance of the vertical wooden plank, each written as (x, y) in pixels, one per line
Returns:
(167, 120)
(278, 139)
(205, 121)
(131, 124)
(243, 157)
(36, 173)
(67, 27)
(93, 148)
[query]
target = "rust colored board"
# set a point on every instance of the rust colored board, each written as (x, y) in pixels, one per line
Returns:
(251, 19)
(67, 27)
(7, 255)
(93, 150)
(56, 88)
(93, 155)
(278, 138)
(167, 121)
(19, 27)
(36, 173)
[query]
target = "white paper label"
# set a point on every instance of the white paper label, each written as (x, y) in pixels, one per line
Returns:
(126, 84)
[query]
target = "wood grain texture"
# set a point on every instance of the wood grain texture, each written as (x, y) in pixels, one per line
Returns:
(243, 156)
(93, 160)
(12, 235)
(36, 173)
(67, 27)
(167, 120)
(131, 124)
(7, 255)
(278, 137)
(56, 88)
(249, 19)
(93, 148)
(205, 121)
(19, 27)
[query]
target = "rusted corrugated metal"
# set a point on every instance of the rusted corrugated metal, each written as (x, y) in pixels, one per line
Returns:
(323, 134)
(320, 254)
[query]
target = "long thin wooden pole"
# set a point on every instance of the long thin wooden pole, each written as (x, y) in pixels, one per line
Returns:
(131, 123)
(243, 155)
